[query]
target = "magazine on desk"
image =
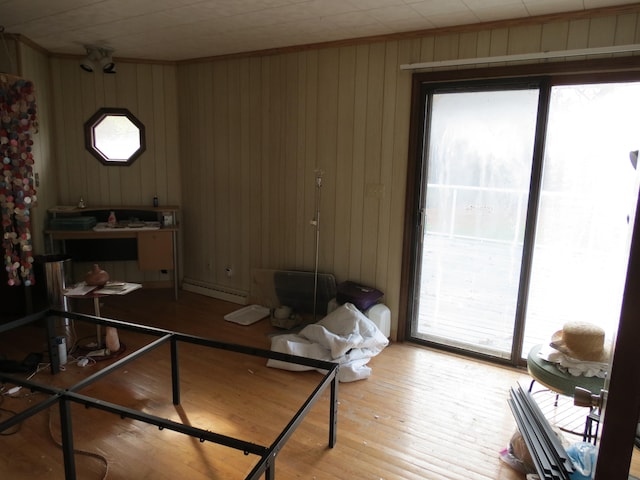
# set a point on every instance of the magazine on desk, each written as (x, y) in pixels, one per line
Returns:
(110, 288)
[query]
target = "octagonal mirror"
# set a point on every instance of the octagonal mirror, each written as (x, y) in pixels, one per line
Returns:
(114, 136)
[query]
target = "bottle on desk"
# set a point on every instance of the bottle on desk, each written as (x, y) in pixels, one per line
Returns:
(112, 219)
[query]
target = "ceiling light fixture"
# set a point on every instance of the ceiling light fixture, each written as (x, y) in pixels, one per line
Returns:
(98, 58)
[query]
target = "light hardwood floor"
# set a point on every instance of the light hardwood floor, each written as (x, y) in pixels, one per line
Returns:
(423, 414)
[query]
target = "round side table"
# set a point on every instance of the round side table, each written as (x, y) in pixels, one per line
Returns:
(563, 383)
(113, 347)
(549, 375)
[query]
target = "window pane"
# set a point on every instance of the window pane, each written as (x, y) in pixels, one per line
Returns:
(117, 138)
(588, 191)
(480, 149)
(114, 136)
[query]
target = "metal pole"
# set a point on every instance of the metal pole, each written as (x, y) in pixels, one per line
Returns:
(175, 371)
(67, 439)
(316, 223)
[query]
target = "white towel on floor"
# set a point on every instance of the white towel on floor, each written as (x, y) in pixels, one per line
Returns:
(345, 336)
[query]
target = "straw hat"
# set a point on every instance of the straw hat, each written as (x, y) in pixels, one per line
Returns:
(581, 341)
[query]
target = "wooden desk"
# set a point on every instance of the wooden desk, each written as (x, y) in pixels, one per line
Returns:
(156, 249)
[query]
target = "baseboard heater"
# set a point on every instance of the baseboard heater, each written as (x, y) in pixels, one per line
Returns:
(215, 291)
(549, 456)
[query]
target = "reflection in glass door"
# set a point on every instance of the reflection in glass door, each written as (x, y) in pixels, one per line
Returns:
(588, 195)
(472, 289)
(479, 159)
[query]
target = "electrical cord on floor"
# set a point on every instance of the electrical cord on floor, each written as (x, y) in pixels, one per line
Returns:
(77, 344)
(11, 392)
(12, 413)
(102, 458)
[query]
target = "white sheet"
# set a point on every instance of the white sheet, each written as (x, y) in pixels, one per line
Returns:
(574, 367)
(345, 336)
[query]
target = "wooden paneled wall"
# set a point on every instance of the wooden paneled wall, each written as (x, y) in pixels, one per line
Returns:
(254, 136)
(257, 128)
(236, 143)
(34, 65)
(150, 92)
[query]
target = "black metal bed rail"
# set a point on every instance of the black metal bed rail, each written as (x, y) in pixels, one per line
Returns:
(63, 397)
(29, 412)
(31, 318)
(119, 363)
(163, 423)
(196, 340)
(267, 465)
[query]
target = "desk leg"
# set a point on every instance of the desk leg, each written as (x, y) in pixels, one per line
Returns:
(112, 341)
(96, 311)
(176, 274)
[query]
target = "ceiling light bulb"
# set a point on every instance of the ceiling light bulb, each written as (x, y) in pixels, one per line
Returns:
(88, 63)
(106, 61)
(98, 59)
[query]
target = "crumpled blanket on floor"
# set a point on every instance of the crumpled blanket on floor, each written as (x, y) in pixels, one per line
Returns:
(345, 336)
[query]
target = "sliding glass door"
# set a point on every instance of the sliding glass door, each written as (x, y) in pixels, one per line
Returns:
(479, 150)
(524, 195)
(589, 191)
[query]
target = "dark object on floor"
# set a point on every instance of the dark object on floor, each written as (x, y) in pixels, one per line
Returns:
(361, 296)
(295, 290)
(29, 364)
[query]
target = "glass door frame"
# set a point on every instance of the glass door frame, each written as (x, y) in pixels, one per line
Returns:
(428, 91)
(546, 75)
(621, 413)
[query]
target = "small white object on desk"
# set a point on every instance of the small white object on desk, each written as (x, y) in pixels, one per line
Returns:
(126, 226)
(118, 288)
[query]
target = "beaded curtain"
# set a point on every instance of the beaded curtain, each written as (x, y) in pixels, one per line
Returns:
(17, 195)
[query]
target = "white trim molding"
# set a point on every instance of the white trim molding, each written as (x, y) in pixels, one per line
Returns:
(523, 57)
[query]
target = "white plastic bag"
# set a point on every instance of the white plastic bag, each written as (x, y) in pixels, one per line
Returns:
(583, 455)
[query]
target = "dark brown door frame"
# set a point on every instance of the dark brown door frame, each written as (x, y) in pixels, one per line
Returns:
(620, 415)
(622, 408)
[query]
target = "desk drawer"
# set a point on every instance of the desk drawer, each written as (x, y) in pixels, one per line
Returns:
(155, 250)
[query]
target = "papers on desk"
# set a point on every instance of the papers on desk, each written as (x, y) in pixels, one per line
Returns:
(126, 226)
(118, 288)
(80, 289)
(110, 288)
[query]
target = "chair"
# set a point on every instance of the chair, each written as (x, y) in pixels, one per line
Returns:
(550, 376)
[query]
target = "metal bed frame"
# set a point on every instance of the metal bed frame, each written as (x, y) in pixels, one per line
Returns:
(65, 397)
